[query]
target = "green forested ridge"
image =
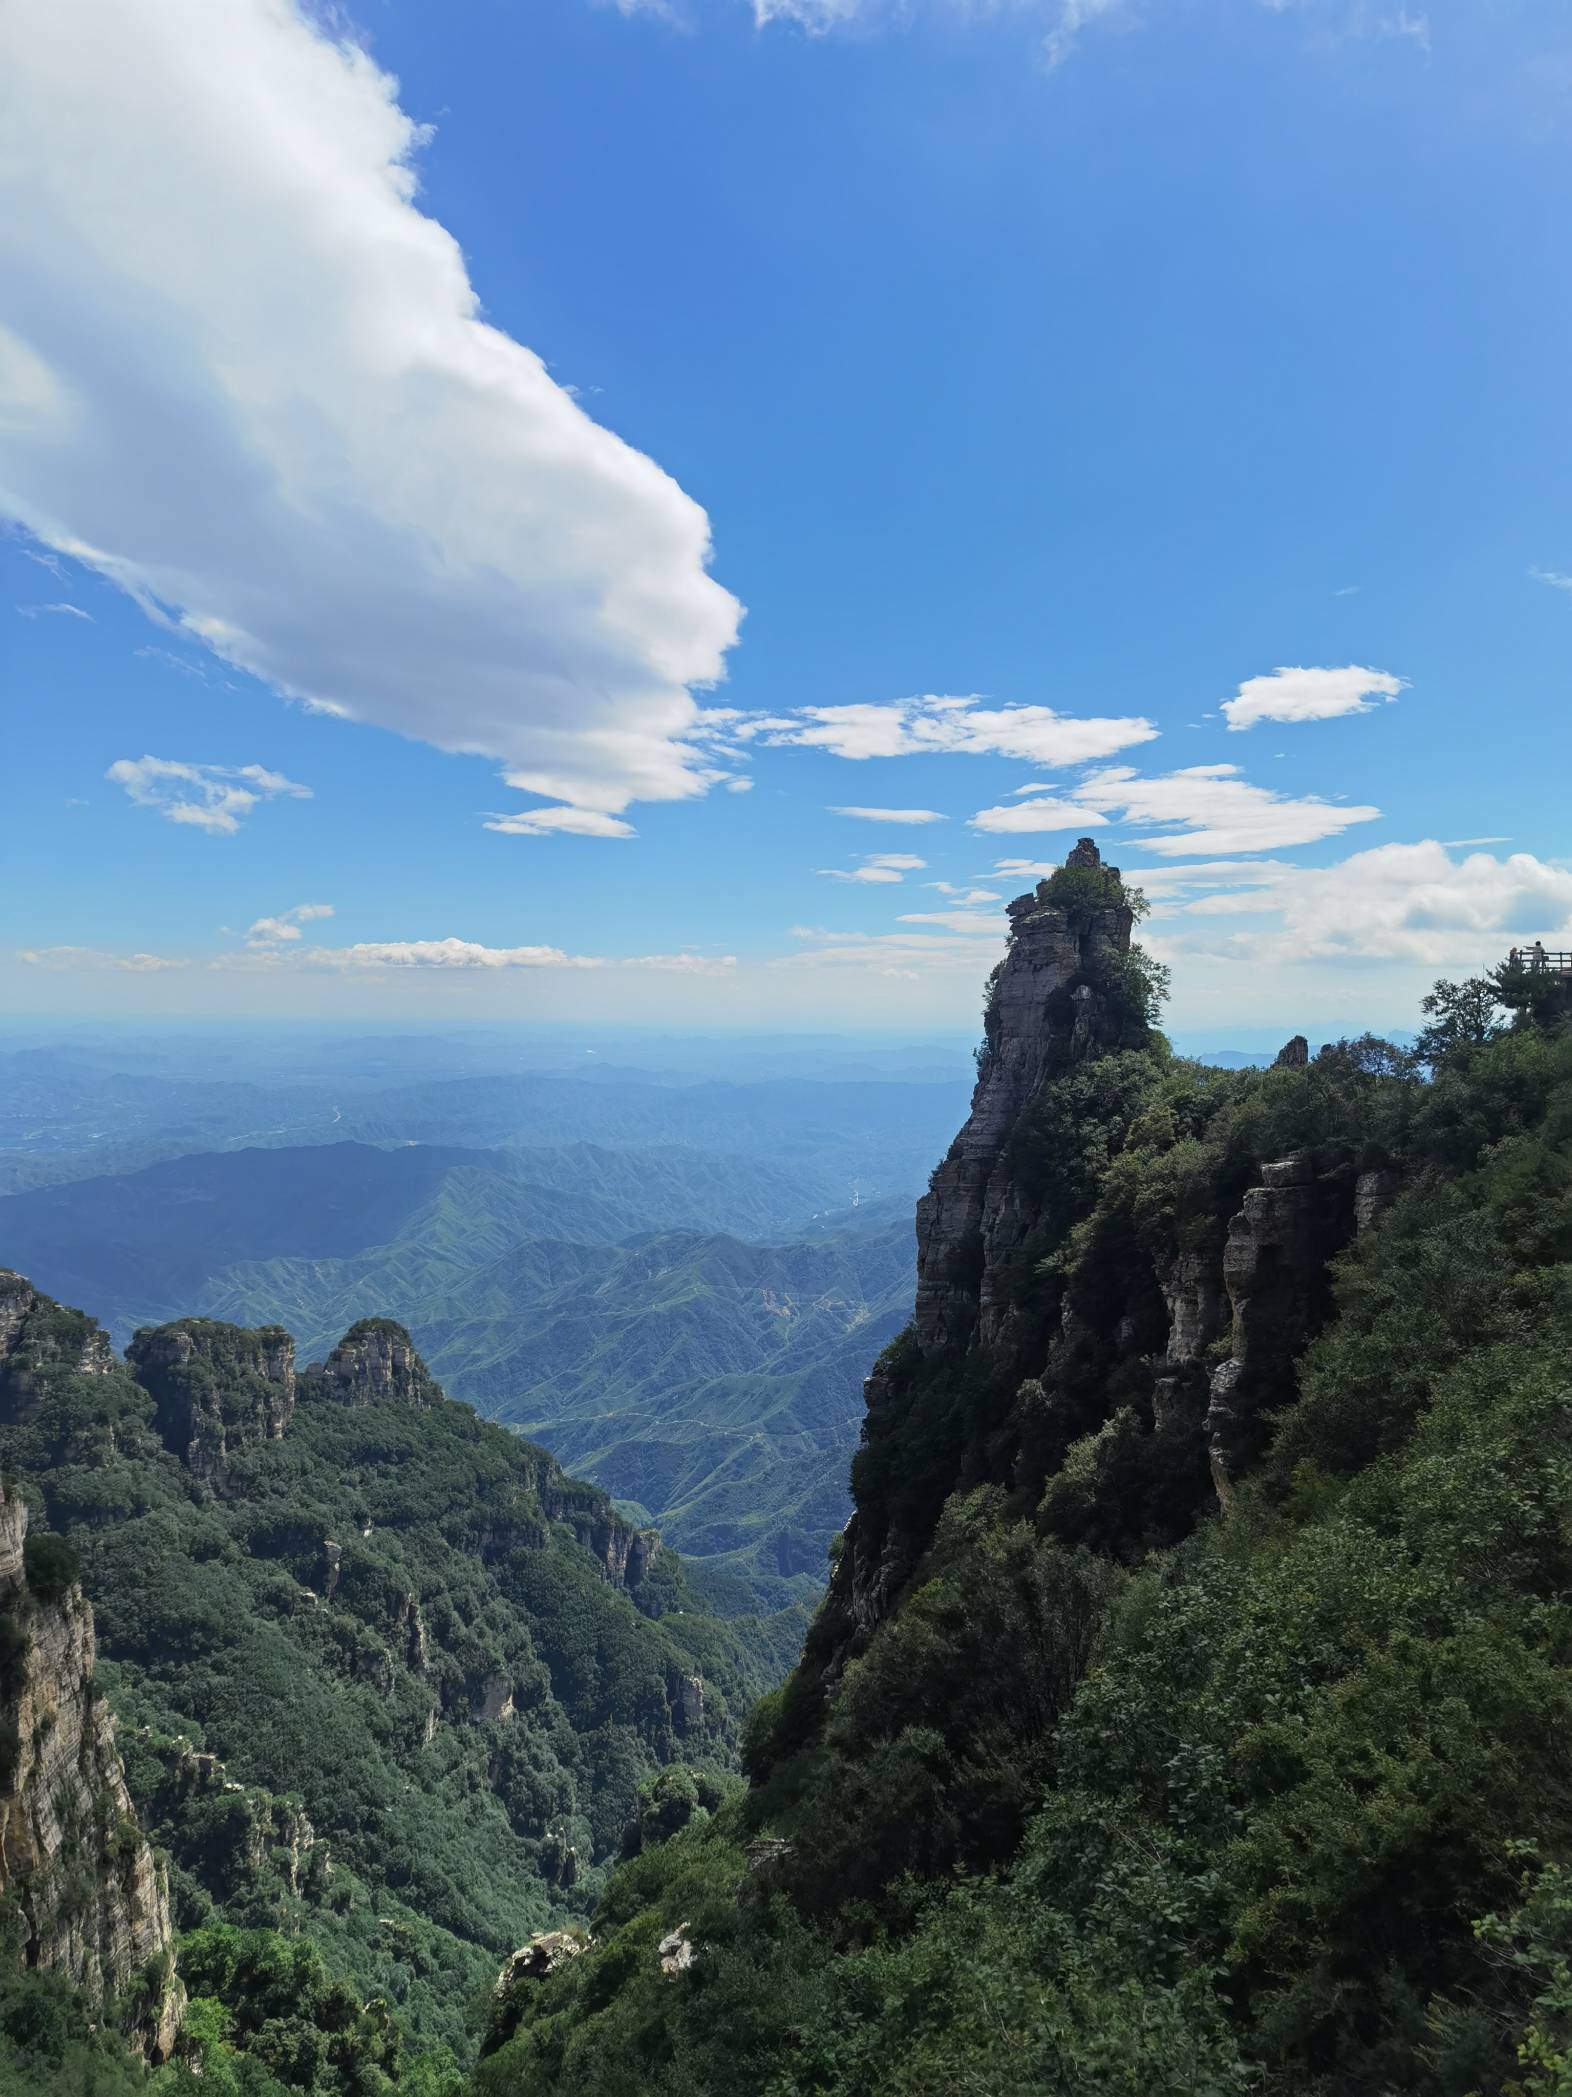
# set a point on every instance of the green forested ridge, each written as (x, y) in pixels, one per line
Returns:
(311, 1645)
(1121, 1797)
(712, 1383)
(1102, 1792)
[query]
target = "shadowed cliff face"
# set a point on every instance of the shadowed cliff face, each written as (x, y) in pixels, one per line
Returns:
(1155, 1352)
(1044, 1009)
(92, 1903)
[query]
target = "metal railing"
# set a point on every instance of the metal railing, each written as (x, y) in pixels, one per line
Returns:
(1541, 961)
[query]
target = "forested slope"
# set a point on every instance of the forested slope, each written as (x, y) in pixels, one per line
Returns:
(387, 1680)
(1189, 1709)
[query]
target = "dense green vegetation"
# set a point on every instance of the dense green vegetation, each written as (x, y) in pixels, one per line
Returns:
(1122, 1798)
(712, 1384)
(390, 1689)
(715, 1387)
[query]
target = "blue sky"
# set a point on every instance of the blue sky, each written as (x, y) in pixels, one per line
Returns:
(1082, 366)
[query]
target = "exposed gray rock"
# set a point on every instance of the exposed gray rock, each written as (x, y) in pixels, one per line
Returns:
(1274, 1269)
(677, 1952)
(218, 1388)
(375, 1364)
(975, 1213)
(93, 1902)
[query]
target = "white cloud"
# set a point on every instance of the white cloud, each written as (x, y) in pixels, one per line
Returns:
(66, 958)
(247, 380)
(906, 953)
(739, 786)
(1220, 812)
(1293, 694)
(1164, 884)
(268, 956)
(215, 798)
(817, 17)
(1051, 814)
(1398, 903)
(952, 920)
(965, 895)
(270, 931)
(71, 611)
(441, 953)
(936, 724)
(1552, 577)
(471, 954)
(1074, 15)
(877, 867)
(548, 822)
(893, 815)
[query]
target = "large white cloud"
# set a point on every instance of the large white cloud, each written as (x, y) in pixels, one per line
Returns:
(243, 376)
(1404, 902)
(1290, 694)
(1219, 811)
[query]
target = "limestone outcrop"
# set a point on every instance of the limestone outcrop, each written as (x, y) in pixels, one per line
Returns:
(218, 1389)
(1275, 1272)
(92, 1900)
(375, 1364)
(1046, 1007)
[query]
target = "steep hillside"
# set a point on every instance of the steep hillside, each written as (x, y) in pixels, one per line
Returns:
(1188, 1710)
(385, 1675)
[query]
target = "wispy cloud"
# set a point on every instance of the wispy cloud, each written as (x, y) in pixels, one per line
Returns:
(560, 822)
(70, 611)
(905, 954)
(63, 959)
(877, 868)
(214, 798)
(274, 931)
(1218, 812)
(269, 957)
(892, 815)
(937, 724)
(1553, 578)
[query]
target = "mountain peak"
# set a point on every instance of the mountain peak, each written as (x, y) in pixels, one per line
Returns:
(376, 1364)
(1061, 993)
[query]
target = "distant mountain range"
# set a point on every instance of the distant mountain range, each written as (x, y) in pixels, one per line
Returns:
(613, 1304)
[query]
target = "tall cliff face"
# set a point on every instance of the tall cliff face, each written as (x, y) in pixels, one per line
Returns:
(1046, 1007)
(218, 1389)
(1109, 1359)
(91, 1901)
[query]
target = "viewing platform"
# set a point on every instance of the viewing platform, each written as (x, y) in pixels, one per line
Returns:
(1540, 960)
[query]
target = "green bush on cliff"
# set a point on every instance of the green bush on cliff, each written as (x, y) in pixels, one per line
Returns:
(50, 1564)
